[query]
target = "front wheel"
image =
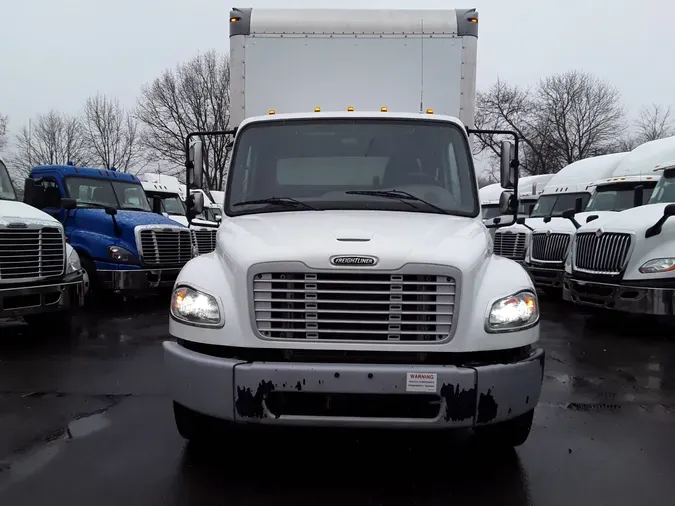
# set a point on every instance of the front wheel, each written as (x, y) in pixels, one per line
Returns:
(506, 434)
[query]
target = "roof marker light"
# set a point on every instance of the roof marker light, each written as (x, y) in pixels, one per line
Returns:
(350, 109)
(234, 19)
(430, 111)
(383, 109)
(271, 112)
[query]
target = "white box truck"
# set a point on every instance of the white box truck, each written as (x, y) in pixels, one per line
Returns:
(551, 234)
(352, 282)
(41, 278)
(625, 261)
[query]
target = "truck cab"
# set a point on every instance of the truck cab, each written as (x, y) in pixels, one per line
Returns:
(164, 196)
(353, 282)
(511, 241)
(41, 278)
(569, 189)
(123, 246)
(623, 261)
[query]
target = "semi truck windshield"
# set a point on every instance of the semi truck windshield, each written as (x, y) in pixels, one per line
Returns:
(171, 204)
(103, 192)
(6, 188)
(617, 197)
(554, 205)
(318, 161)
(664, 193)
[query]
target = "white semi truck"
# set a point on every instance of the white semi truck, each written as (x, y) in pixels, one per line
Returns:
(625, 261)
(511, 241)
(166, 197)
(41, 278)
(550, 233)
(353, 282)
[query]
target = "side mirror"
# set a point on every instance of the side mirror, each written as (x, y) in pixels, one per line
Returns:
(197, 203)
(507, 171)
(578, 205)
(520, 221)
(638, 195)
(568, 214)
(33, 193)
(496, 220)
(111, 211)
(655, 229)
(669, 210)
(197, 170)
(157, 205)
(68, 204)
(508, 203)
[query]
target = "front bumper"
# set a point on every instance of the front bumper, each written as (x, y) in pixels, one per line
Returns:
(352, 394)
(137, 279)
(26, 300)
(545, 277)
(620, 297)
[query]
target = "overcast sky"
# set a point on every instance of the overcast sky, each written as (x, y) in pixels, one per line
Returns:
(55, 53)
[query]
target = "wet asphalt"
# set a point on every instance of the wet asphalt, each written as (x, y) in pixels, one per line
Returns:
(84, 420)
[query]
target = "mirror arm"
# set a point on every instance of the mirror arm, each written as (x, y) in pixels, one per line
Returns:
(576, 224)
(655, 229)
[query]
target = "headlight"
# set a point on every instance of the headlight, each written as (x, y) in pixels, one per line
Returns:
(73, 263)
(117, 254)
(194, 307)
(515, 312)
(658, 265)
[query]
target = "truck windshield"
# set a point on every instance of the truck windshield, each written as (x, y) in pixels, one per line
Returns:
(664, 193)
(526, 206)
(317, 161)
(618, 197)
(557, 203)
(103, 192)
(171, 203)
(6, 188)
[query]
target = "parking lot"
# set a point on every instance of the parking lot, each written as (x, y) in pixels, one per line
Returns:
(84, 420)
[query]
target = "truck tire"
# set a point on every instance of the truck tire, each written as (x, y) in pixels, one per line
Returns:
(59, 321)
(90, 269)
(193, 426)
(506, 434)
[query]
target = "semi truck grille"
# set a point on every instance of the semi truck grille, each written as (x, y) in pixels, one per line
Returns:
(550, 248)
(31, 253)
(205, 240)
(165, 246)
(510, 245)
(605, 254)
(354, 306)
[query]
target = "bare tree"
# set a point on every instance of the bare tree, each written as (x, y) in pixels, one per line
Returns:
(193, 97)
(654, 122)
(52, 138)
(3, 130)
(565, 118)
(111, 133)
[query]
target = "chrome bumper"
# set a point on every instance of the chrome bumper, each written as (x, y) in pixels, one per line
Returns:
(37, 299)
(620, 297)
(359, 395)
(137, 279)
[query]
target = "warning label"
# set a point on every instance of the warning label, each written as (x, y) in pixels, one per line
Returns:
(421, 382)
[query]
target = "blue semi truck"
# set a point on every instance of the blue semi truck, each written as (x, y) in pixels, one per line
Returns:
(123, 245)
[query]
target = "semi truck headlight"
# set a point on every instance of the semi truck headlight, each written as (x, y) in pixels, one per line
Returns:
(73, 264)
(118, 254)
(194, 307)
(514, 312)
(658, 265)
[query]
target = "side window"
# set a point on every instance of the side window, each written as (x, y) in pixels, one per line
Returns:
(52, 193)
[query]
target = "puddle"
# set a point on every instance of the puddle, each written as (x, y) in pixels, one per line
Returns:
(28, 464)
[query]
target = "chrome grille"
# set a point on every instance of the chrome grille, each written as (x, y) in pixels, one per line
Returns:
(550, 248)
(510, 244)
(165, 246)
(31, 253)
(205, 240)
(605, 254)
(354, 306)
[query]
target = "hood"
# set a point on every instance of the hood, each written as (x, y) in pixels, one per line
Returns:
(177, 218)
(396, 238)
(96, 220)
(556, 225)
(12, 211)
(637, 219)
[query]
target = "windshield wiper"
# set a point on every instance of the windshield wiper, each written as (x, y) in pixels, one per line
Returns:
(130, 208)
(281, 201)
(396, 194)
